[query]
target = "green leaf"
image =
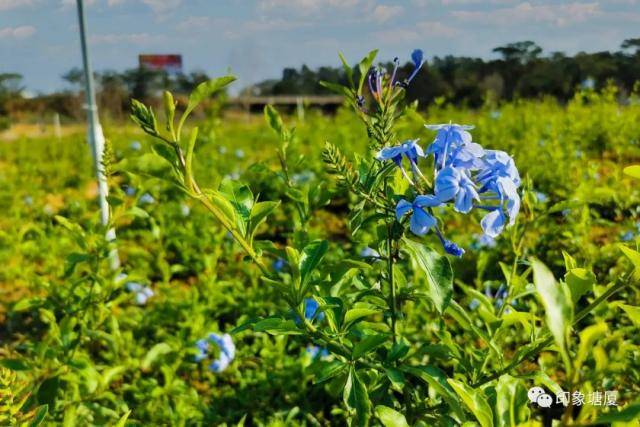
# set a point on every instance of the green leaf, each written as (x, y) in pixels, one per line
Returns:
(154, 353)
(627, 414)
(123, 420)
(169, 109)
(311, 256)
(364, 67)
(14, 364)
(48, 391)
(634, 257)
(356, 397)
(355, 314)
(277, 326)
(633, 171)
(41, 413)
(437, 272)
(511, 402)
(328, 370)
(580, 281)
(632, 312)
(336, 88)
(220, 202)
(205, 90)
(556, 299)
(475, 402)
(274, 120)
(26, 304)
(144, 117)
(437, 380)
(188, 162)
(588, 338)
(390, 417)
(369, 343)
(348, 71)
(259, 213)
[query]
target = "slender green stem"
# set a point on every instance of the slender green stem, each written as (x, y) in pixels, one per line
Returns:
(392, 285)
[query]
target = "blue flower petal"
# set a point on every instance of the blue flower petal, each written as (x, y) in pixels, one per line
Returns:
(493, 223)
(421, 222)
(402, 208)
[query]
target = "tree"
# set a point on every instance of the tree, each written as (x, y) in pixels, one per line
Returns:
(522, 52)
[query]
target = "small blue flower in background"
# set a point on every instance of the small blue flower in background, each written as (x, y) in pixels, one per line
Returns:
(499, 296)
(421, 221)
(627, 237)
(409, 149)
(474, 304)
(135, 145)
(311, 311)
(142, 293)
(541, 197)
(239, 153)
(146, 199)
(279, 264)
(225, 346)
(129, 190)
(369, 253)
(483, 241)
(316, 352)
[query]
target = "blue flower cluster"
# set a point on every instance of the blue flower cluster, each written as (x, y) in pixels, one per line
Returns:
(465, 175)
(225, 346)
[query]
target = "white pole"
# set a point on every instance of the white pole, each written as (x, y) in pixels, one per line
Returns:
(95, 135)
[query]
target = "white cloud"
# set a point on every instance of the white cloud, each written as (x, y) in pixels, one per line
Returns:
(72, 3)
(383, 13)
(133, 38)
(556, 14)
(309, 7)
(13, 4)
(419, 32)
(162, 6)
(21, 32)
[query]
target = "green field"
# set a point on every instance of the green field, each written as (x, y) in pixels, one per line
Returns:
(74, 336)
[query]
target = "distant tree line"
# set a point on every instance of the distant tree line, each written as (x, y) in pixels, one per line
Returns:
(522, 71)
(114, 92)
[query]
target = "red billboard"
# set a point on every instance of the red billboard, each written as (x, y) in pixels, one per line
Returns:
(170, 63)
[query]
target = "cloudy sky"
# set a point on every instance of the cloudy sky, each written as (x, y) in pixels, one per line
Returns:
(257, 38)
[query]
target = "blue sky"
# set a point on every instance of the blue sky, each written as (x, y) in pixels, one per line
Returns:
(257, 38)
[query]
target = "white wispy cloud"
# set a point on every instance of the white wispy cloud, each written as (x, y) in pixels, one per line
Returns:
(383, 13)
(560, 14)
(420, 31)
(14, 4)
(309, 7)
(119, 38)
(21, 32)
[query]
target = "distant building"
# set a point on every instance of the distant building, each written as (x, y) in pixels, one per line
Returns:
(172, 64)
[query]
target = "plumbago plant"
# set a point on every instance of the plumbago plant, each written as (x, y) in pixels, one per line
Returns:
(388, 333)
